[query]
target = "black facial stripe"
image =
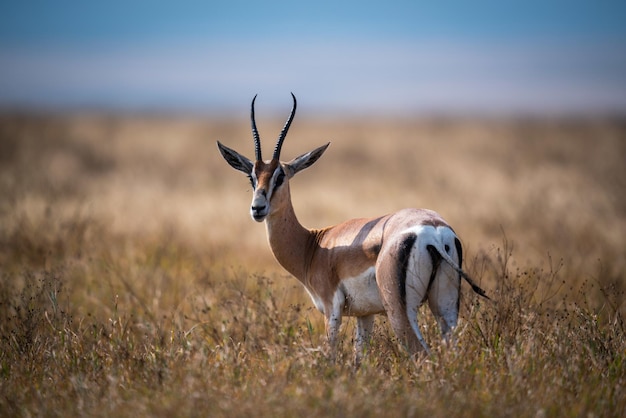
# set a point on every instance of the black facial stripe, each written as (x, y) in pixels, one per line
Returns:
(279, 177)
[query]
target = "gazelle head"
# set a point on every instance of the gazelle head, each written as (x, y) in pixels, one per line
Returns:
(269, 179)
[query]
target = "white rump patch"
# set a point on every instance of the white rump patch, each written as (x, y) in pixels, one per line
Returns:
(439, 236)
(443, 291)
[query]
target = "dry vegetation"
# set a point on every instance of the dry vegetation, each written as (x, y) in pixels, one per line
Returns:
(134, 283)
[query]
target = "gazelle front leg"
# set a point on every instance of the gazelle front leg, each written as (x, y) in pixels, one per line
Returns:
(364, 325)
(333, 321)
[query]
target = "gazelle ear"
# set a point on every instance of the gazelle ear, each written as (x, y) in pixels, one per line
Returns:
(236, 160)
(305, 160)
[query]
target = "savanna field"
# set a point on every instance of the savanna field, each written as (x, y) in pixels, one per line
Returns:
(133, 282)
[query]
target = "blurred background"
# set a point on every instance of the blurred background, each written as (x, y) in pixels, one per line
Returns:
(349, 57)
(508, 118)
(493, 113)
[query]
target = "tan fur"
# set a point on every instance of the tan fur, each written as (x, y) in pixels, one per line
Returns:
(358, 267)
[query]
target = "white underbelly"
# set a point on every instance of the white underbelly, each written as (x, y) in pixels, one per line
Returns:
(361, 294)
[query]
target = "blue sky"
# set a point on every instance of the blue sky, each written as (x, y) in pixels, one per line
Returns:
(356, 57)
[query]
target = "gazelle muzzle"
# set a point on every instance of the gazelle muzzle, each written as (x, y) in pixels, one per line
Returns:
(260, 205)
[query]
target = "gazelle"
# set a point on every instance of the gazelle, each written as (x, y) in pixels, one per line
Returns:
(361, 267)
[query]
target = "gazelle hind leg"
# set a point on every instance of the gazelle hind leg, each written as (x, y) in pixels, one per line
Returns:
(444, 292)
(391, 275)
(411, 313)
(443, 300)
(418, 279)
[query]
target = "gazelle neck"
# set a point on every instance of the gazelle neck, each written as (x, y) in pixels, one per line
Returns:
(290, 241)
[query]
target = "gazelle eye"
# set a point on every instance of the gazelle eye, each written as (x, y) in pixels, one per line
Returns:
(279, 178)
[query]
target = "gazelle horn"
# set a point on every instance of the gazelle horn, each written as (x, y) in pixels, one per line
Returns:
(255, 133)
(283, 133)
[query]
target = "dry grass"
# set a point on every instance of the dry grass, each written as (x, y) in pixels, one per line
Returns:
(133, 282)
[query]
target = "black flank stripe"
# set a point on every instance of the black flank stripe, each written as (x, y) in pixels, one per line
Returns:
(404, 252)
(459, 251)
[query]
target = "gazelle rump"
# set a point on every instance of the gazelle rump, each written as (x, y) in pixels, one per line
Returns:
(361, 267)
